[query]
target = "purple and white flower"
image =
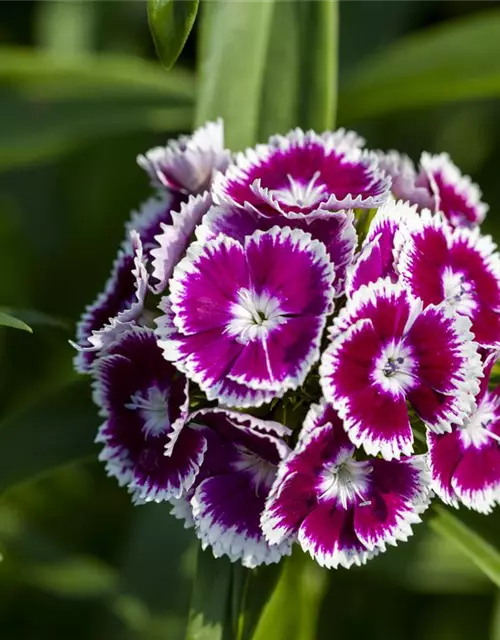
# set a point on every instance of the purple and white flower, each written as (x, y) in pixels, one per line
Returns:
(117, 309)
(249, 315)
(380, 250)
(145, 403)
(228, 498)
(303, 175)
(465, 463)
(438, 185)
(457, 267)
(388, 350)
(336, 231)
(342, 509)
(173, 237)
(187, 165)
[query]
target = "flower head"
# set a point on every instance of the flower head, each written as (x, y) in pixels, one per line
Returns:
(145, 404)
(235, 478)
(457, 267)
(465, 463)
(343, 509)
(303, 175)
(250, 315)
(386, 351)
(438, 185)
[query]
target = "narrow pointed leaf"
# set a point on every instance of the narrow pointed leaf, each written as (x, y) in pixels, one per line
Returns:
(293, 64)
(171, 22)
(6, 320)
(457, 60)
(482, 553)
(234, 41)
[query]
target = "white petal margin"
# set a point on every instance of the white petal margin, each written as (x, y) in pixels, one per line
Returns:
(175, 237)
(228, 541)
(190, 160)
(125, 320)
(453, 177)
(341, 140)
(402, 529)
(338, 557)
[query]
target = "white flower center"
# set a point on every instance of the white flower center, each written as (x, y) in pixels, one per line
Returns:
(344, 480)
(152, 406)
(299, 194)
(262, 471)
(394, 368)
(458, 292)
(475, 431)
(254, 316)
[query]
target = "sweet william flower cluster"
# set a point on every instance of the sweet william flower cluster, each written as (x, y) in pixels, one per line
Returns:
(295, 345)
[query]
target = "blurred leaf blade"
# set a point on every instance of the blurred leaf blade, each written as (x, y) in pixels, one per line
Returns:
(50, 105)
(483, 554)
(209, 617)
(36, 318)
(7, 320)
(171, 22)
(234, 41)
(459, 60)
(58, 430)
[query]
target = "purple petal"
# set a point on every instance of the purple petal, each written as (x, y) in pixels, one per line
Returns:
(455, 195)
(407, 185)
(381, 246)
(458, 267)
(117, 309)
(147, 221)
(448, 368)
(400, 493)
(227, 511)
(328, 536)
(334, 229)
(301, 173)
(253, 315)
(188, 164)
(145, 403)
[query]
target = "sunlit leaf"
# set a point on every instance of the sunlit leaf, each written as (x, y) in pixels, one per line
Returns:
(55, 431)
(483, 554)
(6, 320)
(234, 41)
(171, 22)
(457, 60)
(299, 593)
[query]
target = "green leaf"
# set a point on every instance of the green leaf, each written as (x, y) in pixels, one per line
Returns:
(210, 614)
(292, 64)
(55, 431)
(171, 22)
(50, 105)
(299, 593)
(483, 554)
(36, 318)
(6, 320)
(458, 60)
(233, 42)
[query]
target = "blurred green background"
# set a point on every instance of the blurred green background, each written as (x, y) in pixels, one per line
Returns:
(81, 94)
